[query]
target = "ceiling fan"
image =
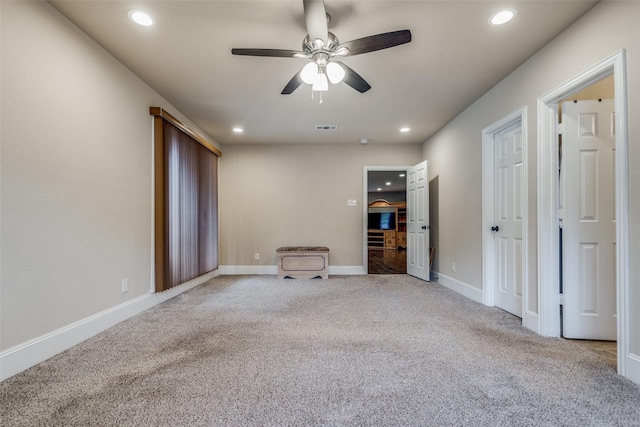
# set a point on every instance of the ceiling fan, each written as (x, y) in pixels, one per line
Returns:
(322, 49)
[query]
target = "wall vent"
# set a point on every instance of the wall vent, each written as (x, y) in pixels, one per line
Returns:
(326, 127)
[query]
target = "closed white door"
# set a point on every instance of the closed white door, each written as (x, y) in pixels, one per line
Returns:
(418, 221)
(588, 220)
(507, 228)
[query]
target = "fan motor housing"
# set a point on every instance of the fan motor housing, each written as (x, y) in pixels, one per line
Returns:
(309, 46)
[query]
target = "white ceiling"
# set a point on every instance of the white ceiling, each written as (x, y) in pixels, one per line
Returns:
(454, 57)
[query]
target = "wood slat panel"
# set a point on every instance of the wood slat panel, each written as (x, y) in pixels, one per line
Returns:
(186, 203)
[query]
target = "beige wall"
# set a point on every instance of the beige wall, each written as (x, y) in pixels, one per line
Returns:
(75, 175)
(455, 152)
(286, 195)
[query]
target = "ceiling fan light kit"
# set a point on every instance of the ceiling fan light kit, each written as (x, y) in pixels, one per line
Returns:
(322, 47)
(335, 72)
(309, 73)
(321, 84)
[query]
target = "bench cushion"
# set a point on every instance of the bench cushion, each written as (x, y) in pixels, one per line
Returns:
(303, 249)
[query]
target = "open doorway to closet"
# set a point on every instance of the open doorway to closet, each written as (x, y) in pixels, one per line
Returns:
(386, 220)
(605, 288)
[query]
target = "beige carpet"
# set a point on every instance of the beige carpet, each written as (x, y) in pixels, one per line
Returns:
(348, 351)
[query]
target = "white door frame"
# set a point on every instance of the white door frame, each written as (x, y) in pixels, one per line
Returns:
(529, 308)
(548, 233)
(365, 206)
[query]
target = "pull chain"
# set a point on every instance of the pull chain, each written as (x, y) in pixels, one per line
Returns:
(320, 92)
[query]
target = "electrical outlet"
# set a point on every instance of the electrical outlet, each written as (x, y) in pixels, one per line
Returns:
(453, 267)
(125, 285)
(256, 256)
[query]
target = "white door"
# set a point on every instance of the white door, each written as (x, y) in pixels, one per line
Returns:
(418, 221)
(588, 220)
(507, 228)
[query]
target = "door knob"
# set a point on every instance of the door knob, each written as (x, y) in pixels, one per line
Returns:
(495, 228)
(426, 227)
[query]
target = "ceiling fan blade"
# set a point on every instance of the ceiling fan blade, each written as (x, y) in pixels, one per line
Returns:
(293, 84)
(279, 53)
(354, 79)
(315, 16)
(377, 42)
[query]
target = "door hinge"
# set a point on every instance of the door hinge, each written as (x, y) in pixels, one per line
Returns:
(560, 215)
(559, 128)
(561, 299)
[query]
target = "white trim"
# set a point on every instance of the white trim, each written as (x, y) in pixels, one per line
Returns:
(23, 356)
(365, 207)
(548, 236)
(549, 240)
(462, 288)
(347, 270)
(488, 214)
(272, 270)
(632, 364)
(233, 270)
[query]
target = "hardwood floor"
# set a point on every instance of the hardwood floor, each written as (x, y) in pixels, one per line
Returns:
(387, 261)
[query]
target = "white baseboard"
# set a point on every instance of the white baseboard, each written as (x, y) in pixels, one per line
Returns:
(462, 288)
(339, 270)
(23, 356)
(248, 269)
(632, 368)
(347, 270)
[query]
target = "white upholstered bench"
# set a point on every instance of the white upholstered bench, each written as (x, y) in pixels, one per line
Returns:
(303, 262)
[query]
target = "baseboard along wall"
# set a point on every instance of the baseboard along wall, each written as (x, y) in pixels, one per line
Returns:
(23, 356)
(462, 288)
(337, 270)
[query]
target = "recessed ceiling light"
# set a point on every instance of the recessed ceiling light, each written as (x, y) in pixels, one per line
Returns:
(503, 16)
(405, 130)
(387, 183)
(402, 175)
(238, 130)
(141, 18)
(379, 189)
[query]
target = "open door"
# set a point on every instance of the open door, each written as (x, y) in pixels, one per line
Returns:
(588, 220)
(418, 221)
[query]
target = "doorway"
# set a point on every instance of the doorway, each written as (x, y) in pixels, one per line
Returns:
(549, 236)
(386, 245)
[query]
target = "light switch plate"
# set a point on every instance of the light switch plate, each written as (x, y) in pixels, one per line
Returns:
(352, 202)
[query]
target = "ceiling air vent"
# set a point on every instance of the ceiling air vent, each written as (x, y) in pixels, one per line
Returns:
(326, 127)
